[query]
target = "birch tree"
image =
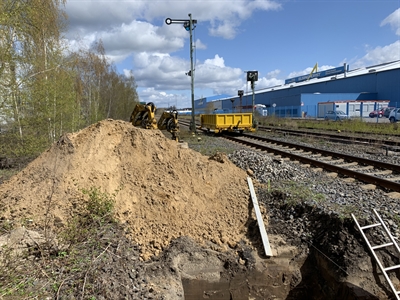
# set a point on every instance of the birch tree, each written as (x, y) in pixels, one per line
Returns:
(30, 53)
(43, 91)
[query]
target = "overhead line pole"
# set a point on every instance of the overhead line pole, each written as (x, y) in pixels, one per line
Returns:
(192, 73)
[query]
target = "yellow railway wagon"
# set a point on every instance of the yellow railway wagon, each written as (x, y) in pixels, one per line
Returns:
(227, 122)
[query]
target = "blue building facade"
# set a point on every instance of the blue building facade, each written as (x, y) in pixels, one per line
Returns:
(379, 83)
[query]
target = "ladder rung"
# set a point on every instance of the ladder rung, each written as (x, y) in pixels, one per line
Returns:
(382, 246)
(393, 242)
(392, 268)
(370, 226)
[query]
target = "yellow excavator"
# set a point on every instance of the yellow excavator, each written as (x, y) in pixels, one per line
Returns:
(169, 121)
(144, 115)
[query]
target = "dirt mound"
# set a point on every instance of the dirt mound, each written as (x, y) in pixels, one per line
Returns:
(162, 191)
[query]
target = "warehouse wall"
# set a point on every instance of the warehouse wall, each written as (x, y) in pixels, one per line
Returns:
(383, 85)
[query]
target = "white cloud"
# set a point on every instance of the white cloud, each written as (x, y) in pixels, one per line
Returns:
(216, 61)
(225, 29)
(199, 45)
(138, 37)
(273, 74)
(264, 83)
(165, 72)
(379, 55)
(308, 70)
(164, 99)
(393, 20)
(269, 80)
(161, 71)
(102, 15)
(382, 54)
(127, 25)
(136, 31)
(135, 37)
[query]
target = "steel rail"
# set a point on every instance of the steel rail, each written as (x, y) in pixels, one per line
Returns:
(352, 139)
(361, 160)
(334, 137)
(333, 168)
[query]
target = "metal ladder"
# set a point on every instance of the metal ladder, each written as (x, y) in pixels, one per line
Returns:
(373, 248)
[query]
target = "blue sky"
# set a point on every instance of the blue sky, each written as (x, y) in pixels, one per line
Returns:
(279, 39)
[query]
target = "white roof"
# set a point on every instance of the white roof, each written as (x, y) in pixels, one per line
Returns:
(356, 72)
(351, 73)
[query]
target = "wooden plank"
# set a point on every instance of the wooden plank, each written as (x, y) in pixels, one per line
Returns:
(260, 221)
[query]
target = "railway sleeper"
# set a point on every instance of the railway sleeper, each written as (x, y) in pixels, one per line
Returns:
(391, 148)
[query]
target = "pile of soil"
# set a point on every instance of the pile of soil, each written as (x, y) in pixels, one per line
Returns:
(162, 190)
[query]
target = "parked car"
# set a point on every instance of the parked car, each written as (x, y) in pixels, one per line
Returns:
(387, 111)
(394, 115)
(337, 115)
(377, 113)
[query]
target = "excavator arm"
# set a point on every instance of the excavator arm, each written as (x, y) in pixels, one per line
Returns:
(169, 121)
(144, 115)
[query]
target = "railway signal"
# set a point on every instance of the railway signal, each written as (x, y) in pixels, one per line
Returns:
(252, 76)
(189, 25)
(240, 94)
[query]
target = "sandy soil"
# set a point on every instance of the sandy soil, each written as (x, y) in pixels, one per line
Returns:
(162, 191)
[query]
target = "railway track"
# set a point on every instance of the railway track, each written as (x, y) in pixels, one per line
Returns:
(393, 144)
(368, 171)
(384, 175)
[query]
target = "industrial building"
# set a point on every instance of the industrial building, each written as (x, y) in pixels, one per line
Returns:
(357, 92)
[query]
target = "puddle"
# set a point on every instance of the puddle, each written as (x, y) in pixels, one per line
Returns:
(314, 280)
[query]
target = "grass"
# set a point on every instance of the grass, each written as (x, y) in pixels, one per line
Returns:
(295, 193)
(206, 144)
(6, 174)
(354, 125)
(66, 267)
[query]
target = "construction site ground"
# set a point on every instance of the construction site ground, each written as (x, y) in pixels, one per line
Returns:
(185, 228)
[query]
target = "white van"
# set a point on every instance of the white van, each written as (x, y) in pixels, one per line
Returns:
(394, 115)
(261, 109)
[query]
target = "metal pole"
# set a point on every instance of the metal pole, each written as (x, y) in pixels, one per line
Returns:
(252, 87)
(192, 72)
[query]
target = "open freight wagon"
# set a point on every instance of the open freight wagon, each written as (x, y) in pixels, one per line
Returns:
(231, 122)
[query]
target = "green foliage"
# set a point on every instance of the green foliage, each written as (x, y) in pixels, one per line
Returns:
(201, 143)
(63, 269)
(45, 92)
(99, 210)
(6, 174)
(354, 125)
(345, 211)
(100, 206)
(296, 193)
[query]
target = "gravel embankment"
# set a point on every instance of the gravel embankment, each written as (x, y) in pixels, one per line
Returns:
(340, 197)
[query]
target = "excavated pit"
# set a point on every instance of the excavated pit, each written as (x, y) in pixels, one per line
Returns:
(290, 275)
(257, 285)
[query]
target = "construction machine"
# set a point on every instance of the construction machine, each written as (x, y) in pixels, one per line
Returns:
(169, 121)
(144, 115)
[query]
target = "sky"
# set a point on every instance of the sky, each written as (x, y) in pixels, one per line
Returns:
(279, 39)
